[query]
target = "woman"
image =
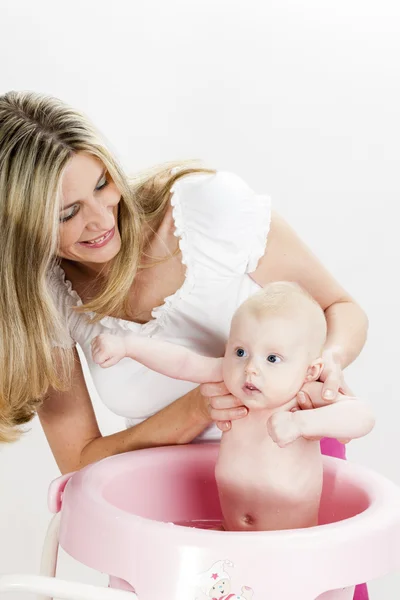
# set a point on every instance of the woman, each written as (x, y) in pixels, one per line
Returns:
(169, 254)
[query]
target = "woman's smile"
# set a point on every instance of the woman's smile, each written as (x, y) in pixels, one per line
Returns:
(100, 241)
(91, 199)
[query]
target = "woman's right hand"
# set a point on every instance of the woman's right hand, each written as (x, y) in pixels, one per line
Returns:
(221, 405)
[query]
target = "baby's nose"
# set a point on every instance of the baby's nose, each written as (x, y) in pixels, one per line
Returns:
(251, 368)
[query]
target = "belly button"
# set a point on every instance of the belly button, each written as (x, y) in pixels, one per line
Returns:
(248, 520)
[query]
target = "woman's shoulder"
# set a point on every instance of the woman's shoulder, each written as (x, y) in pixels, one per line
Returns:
(64, 299)
(222, 185)
(222, 196)
(222, 216)
(60, 288)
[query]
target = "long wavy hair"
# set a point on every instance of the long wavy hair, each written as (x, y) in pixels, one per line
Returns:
(38, 137)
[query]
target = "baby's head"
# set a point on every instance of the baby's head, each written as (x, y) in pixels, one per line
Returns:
(220, 589)
(274, 346)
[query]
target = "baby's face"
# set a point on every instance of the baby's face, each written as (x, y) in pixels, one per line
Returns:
(266, 359)
(220, 589)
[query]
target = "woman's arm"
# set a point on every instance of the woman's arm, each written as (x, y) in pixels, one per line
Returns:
(288, 258)
(70, 425)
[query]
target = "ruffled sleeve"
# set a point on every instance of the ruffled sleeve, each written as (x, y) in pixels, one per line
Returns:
(64, 298)
(223, 223)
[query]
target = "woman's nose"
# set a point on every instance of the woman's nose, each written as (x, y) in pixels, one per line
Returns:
(100, 217)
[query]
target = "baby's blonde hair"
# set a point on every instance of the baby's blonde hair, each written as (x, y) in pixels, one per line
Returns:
(287, 296)
(38, 137)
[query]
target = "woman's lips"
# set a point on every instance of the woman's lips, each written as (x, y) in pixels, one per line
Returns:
(100, 241)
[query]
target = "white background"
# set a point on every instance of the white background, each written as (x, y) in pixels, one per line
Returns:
(301, 99)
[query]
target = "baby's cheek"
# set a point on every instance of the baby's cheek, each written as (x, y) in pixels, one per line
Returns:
(278, 389)
(226, 368)
(230, 384)
(228, 373)
(235, 382)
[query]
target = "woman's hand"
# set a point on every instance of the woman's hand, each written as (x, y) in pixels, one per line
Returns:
(221, 405)
(332, 377)
(333, 383)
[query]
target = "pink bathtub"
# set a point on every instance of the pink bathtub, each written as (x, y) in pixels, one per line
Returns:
(123, 516)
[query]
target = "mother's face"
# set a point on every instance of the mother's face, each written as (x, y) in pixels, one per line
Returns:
(88, 216)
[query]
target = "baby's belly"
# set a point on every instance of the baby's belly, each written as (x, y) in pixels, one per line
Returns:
(264, 487)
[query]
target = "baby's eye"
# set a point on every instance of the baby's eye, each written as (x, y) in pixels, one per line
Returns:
(273, 358)
(240, 352)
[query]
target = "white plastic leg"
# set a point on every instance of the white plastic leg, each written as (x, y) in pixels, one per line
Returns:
(58, 588)
(48, 565)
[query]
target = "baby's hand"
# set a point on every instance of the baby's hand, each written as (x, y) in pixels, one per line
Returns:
(108, 349)
(283, 428)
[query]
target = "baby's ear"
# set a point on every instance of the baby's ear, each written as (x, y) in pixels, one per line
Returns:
(314, 370)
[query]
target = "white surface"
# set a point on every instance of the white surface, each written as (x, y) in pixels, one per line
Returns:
(55, 587)
(300, 99)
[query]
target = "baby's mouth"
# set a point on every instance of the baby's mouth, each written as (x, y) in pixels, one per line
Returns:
(250, 388)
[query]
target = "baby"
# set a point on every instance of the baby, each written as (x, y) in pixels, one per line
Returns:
(269, 467)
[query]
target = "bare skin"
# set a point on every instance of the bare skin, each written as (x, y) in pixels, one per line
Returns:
(269, 468)
(68, 418)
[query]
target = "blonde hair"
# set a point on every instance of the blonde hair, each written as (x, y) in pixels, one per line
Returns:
(38, 137)
(281, 296)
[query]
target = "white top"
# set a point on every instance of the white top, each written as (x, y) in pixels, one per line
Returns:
(222, 227)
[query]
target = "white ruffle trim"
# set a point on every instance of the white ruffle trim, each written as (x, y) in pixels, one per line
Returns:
(159, 313)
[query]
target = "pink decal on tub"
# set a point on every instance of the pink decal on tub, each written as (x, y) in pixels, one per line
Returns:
(215, 583)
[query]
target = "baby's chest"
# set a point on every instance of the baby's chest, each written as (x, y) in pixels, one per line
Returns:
(257, 456)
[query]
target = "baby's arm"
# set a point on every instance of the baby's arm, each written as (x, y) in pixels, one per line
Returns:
(165, 358)
(313, 390)
(345, 418)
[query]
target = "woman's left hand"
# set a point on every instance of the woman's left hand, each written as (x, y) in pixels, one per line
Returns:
(332, 379)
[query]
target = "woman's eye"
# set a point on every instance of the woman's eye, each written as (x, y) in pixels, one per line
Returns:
(240, 352)
(102, 183)
(66, 215)
(273, 358)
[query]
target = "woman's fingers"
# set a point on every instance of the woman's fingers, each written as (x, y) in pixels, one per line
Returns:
(224, 425)
(227, 414)
(225, 402)
(214, 389)
(344, 389)
(331, 386)
(304, 400)
(222, 406)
